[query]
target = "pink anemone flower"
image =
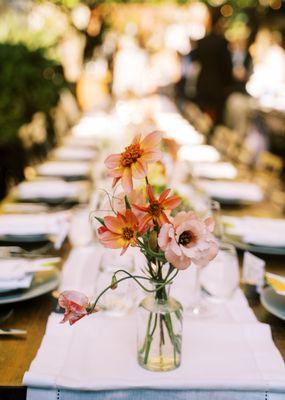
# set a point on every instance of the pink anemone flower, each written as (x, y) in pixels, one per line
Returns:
(188, 240)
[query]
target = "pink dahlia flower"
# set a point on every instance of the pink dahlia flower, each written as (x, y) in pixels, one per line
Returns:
(133, 161)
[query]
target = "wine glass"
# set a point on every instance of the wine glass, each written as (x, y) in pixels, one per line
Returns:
(215, 209)
(220, 278)
(120, 301)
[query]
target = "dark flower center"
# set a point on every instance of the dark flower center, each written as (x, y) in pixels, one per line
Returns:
(155, 208)
(186, 237)
(131, 154)
(128, 233)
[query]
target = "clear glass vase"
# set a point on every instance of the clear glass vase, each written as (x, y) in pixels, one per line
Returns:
(159, 326)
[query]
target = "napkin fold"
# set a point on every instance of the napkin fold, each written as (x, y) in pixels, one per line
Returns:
(258, 231)
(243, 191)
(69, 153)
(218, 170)
(200, 153)
(32, 224)
(64, 168)
(50, 189)
(18, 273)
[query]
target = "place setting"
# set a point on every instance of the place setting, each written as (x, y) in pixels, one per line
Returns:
(23, 279)
(229, 193)
(258, 235)
(52, 192)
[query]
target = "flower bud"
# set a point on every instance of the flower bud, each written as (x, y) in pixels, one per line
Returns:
(114, 282)
(152, 242)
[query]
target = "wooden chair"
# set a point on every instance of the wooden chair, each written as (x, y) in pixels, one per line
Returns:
(268, 171)
(270, 163)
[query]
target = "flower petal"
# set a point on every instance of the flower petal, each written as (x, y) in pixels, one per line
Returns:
(163, 195)
(138, 170)
(113, 161)
(111, 240)
(127, 181)
(182, 262)
(144, 221)
(151, 141)
(171, 203)
(114, 224)
(116, 172)
(162, 219)
(131, 218)
(72, 296)
(150, 194)
(115, 181)
(210, 223)
(140, 208)
(163, 237)
(151, 156)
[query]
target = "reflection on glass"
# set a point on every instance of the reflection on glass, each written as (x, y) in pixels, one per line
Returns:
(120, 301)
(216, 214)
(220, 278)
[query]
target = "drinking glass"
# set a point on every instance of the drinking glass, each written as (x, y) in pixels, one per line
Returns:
(120, 301)
(220, 278)
(198, 306)
(215, 210)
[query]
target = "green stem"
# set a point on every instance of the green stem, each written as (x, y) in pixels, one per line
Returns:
(149, 340)
(129, 276)
(147, 333)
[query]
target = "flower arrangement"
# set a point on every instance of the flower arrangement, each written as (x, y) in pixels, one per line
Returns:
(168, 244)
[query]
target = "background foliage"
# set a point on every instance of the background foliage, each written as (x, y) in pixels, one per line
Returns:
(29, 82)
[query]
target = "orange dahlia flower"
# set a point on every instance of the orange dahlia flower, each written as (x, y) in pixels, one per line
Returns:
(133, 161)
(157, 207)
(120, 231)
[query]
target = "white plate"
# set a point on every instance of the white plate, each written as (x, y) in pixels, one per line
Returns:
(273, 302)
(43, 283)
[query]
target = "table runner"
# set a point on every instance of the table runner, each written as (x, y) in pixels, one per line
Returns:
(229, 354)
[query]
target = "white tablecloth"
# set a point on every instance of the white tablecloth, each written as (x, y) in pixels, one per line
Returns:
(229, 354)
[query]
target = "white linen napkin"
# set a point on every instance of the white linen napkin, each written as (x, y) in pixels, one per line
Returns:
(50, 189)
(68, 153)
(64, 168)
(18, 273)
(202, 153)
(219, 170)
(22, 224)
(229, 350)
(259, 231)
(243, 191)
(54, 225)
(215, 355)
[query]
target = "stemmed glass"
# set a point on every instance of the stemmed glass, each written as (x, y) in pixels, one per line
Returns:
(122, 300)
(215, 211)
(221, 276)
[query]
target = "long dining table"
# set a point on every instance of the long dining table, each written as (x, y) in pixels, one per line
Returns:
(16, 353)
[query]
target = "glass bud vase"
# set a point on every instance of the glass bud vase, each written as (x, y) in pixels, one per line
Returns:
(159, 335)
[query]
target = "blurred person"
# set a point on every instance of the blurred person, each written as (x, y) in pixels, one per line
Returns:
(130, 68)
(268, 78)
(215, 76)
(239, 100)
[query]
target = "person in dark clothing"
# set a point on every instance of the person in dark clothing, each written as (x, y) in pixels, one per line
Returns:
(215, 77)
